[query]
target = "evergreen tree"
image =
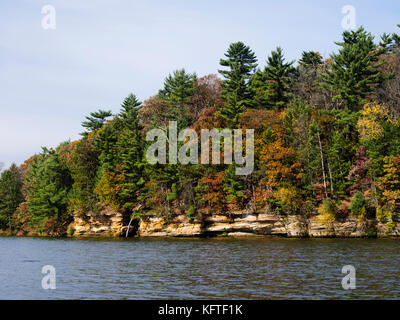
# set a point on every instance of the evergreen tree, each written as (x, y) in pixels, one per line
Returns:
(260, 89)
(178, 90)
(130, 103)
(241, 63)
(395, 38)
(178, 87)
(10, 194)
(130, 146)
(233, 185)
(95, 121)
(355, 71)
(105, 144)
(310, 59)
(48, 187)
(271, 86)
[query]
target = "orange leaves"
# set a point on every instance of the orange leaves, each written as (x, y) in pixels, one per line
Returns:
(207, 119)
(155, 111)
(214, 195)
(390, 182)
(280, 163)
(259, 119)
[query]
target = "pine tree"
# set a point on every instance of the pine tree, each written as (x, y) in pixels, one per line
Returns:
(178, 87)
(95, 121)
(178, 91)
(233, 185)
(130, 146)
(260, 89)
(48, 188)
(241, 63)
(105, 144)
(355, 72)
(271, 86)
(310, 59)
(396, 39)
(10, 194)
(130, 103)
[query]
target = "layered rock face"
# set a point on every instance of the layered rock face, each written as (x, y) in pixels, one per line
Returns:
(109, 223)
(106, 223)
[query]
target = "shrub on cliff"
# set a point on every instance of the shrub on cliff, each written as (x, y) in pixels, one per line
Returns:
(357, 205)
(328, 210)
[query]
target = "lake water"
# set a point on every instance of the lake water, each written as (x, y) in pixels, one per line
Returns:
(259, 268)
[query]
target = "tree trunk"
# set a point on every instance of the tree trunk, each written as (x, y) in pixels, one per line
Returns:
(129, 226)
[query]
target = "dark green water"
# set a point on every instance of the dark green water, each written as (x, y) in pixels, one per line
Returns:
(199, 268)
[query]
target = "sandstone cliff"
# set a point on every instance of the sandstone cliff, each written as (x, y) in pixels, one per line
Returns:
(109, 223)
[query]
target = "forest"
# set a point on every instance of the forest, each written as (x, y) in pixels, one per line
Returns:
(326, 132)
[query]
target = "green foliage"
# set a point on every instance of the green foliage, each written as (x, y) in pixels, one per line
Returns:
(10, 194)
(241, 63)
(171, 196)
(49, 185)
(70, 231)
(95, 121)
(357, 204)
(271, 86)
(130, 104)
(178, 91)
(120, 147)
(82, 162)
(310, 59)
(355, 70)
(384, 215)
(179, 87)
(233, 185)
(328, 211)
(191, 213)
(130, 146)
(315, 148)
(137, 215)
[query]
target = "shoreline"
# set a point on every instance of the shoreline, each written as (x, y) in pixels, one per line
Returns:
(110, 224)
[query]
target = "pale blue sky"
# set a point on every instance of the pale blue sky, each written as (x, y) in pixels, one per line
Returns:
(103, 50)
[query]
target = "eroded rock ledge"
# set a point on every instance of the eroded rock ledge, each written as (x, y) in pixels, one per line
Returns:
(109, 223)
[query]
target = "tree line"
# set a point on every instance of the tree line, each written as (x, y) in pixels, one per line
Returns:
(327, 142)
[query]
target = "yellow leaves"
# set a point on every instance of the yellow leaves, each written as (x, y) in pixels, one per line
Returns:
(390, 182)
(370, 124)
(288, 196)
(327, 212)
(280, 163)
(369, 129)
(376, 111)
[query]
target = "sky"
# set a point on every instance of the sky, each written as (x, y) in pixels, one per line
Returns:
(101, 51)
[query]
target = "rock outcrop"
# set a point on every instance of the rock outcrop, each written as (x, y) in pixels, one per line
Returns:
(105, 223)
(109, 223)
(179, 226)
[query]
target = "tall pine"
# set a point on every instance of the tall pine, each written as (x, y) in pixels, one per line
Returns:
(355, 70)
(271, 86)
(241, 63)
(130, 147)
